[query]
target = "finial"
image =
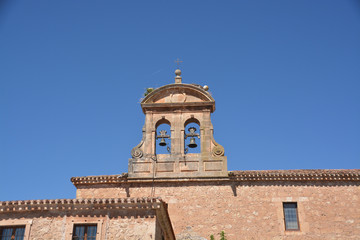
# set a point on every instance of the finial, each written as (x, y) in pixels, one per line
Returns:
(178, 77)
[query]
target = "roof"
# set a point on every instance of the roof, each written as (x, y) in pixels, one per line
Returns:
(262, 175)
(75, 204)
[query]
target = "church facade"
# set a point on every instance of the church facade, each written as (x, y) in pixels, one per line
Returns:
(178, 187)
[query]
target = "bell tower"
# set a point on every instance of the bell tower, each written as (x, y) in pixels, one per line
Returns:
(180, 106)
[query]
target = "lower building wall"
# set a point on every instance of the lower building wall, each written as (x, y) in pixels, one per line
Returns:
(119, 225)
(249, 210)
(130, 228)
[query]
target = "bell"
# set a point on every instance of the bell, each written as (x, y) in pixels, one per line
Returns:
(192, 143)
(162, 142)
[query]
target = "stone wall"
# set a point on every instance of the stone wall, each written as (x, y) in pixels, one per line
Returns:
(120, 228)
(249, 210)
(111, 225)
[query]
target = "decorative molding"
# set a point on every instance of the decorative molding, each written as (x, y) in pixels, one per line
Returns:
(265, 175)
(103, 179)
(136, 152)
(176, 88)
(149, 102)
(174, 100)
(80, 204)
(297, 175)
(218, 151)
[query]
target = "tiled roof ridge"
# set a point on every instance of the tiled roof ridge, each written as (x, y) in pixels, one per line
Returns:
(246, 175)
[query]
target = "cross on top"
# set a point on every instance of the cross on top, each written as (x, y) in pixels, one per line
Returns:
(178, 61)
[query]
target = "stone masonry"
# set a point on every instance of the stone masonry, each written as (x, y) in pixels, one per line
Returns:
(178, 105)
(248, 205)
(120, 218)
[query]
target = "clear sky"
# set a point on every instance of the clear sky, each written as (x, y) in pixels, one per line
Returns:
(285, 76)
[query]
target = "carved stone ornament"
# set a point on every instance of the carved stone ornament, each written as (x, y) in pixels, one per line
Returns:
(218, 151)
(136, 152)
(178, 97)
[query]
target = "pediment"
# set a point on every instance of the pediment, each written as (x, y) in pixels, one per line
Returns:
(178, 93)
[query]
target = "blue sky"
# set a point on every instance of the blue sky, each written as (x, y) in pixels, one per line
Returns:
(284, 74)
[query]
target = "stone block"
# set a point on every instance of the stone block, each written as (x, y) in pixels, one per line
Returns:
(165, 167)
(189, 166)
(213, 166)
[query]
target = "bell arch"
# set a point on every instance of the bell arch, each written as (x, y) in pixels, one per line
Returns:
(162, 137)
(178, 135)
(162, 121)
(192, 136)
(191, 120)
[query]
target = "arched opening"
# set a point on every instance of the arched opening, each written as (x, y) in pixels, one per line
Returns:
(192, 136)
(163, 137)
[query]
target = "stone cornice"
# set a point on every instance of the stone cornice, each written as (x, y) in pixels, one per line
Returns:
(81, 204)
(297, 175)
(263, 175)
(102, 179)
(183, 106)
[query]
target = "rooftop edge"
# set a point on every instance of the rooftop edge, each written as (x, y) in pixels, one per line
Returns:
(248, 175)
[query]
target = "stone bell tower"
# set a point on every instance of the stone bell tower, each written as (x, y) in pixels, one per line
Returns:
(178, 105)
